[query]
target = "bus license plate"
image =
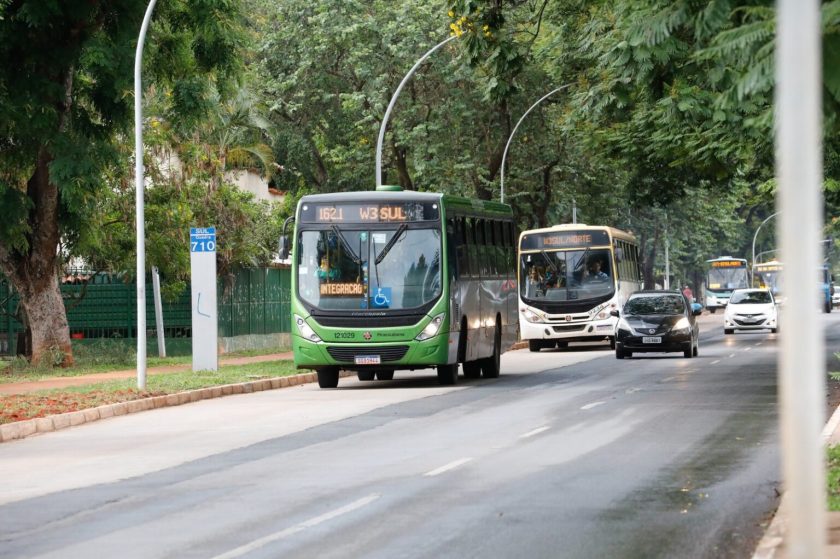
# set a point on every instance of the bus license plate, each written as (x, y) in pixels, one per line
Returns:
(367, 360)
(652, 340)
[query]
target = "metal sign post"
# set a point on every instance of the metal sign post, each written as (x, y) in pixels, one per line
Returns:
(205, 318)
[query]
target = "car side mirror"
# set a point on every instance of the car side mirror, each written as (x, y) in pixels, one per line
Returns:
(615, 313)
(696, 309)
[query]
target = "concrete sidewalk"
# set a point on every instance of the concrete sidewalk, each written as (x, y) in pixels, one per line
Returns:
(64, 382)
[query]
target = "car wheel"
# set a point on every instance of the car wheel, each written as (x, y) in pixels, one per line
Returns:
(366, 375)
(773, 330)
(447, 374)
(619, 354)
(712, 310)
(728, 331)
(689, 353)
(327, 377)
(612, 342)
(697, 349)
(385, 375)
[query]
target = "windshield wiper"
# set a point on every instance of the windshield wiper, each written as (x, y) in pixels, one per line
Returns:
(381, 256)
(548, 259)
(345, 244)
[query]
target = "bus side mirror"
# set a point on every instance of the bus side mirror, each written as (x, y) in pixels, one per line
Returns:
(615, 313)
(283, 251)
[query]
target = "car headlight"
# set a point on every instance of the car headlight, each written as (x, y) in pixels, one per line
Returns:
(531, 316)
(306, 331)
(682, 324)
(431, 328)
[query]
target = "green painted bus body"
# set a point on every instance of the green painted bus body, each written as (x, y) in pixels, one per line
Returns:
(440, 349)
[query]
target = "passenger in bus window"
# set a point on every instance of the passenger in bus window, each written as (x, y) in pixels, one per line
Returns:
(595, 272)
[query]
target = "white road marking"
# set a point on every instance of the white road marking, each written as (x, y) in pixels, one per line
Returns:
(758, 344)
(747, 348)
(731, 355)
(669, 378)
(592, 405)
(256, 544)
(446, 468)
(536, 431)
(715, 362)
(632, 390)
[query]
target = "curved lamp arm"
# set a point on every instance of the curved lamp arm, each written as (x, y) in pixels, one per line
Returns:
(384, 124)
(504, 154)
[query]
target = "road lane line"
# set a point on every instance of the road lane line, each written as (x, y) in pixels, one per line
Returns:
(592, 405)
(536, 431)
(715, 362)
(731, 355)
(747, 348)
(262, 542)
(446, 468)
(758, 344)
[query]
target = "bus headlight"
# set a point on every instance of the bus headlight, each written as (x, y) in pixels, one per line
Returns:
(431, 328)
(531, 316)
(306, 331)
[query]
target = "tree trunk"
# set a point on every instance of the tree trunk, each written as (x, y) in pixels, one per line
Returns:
(48, 323)
(401, 160)
(33, 272)
(650, 262)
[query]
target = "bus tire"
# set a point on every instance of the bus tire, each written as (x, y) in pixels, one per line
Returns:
(534, 345)
(491, 366)
(827, 307)
(366, 375)
(472, 369)
(327, 377)
(712, 310)
(385, 375)
(447, 374)
(562, 345)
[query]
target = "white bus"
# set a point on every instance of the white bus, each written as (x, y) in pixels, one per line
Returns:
(570, 278)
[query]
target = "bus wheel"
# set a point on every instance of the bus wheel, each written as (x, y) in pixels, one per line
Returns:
(562, 345)
(385, 375)
(491, 365)
(366, 375)
(712, 310)
(472, 369)
(447, 374)
(534, 345)
(327, 377)
(827, 308)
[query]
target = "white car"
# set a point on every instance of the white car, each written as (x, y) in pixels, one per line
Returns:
(750, 309)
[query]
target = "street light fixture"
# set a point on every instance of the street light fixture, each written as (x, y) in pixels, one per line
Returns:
(507, 145)
(384, 124)
(139, 187)
(752, 267)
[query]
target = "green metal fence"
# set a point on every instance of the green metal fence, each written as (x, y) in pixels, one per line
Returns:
(104, 307)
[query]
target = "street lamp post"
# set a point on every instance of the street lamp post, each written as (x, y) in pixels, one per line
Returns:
(139, 187)
(384, 124)
(507, 145)
(752, 267)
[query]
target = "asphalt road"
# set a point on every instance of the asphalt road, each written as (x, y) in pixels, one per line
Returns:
(567, 454)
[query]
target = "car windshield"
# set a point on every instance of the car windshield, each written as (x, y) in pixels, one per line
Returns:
(566, 275)
(751, 297)
(655, 304)
(341, 269)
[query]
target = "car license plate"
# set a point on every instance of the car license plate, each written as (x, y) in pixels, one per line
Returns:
(367, 360)
(652, 340)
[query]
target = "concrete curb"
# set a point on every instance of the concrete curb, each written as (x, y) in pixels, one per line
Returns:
(771, 545)
(22, 429)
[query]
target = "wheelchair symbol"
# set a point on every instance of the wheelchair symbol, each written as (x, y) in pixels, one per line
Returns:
(382, 299)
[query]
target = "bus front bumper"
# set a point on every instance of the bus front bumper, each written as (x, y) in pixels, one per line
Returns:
(413, 354)
(569, 331)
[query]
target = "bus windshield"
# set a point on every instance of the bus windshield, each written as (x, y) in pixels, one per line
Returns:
(727, 278)
(351, 269)
(566, 275)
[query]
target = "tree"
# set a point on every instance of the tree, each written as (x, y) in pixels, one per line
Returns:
(64, 81)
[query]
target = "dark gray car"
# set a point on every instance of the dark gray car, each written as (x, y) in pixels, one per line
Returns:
(657, 321)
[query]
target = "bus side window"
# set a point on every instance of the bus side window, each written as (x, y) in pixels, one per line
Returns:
(499, 244)
(490, 237)
(481, 247)
(472, 244)
(463, 249)
(514, 247)
(451, 248)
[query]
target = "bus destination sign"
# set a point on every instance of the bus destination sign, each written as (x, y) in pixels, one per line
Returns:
(385, 212)
(564, 239)
(728, 264)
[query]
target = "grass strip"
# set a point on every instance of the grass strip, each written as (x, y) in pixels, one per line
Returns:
(19, 407)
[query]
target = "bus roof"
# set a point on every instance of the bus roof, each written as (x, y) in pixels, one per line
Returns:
(726, 258)
(614, 233)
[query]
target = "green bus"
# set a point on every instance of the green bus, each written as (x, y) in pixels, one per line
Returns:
(391, 280)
